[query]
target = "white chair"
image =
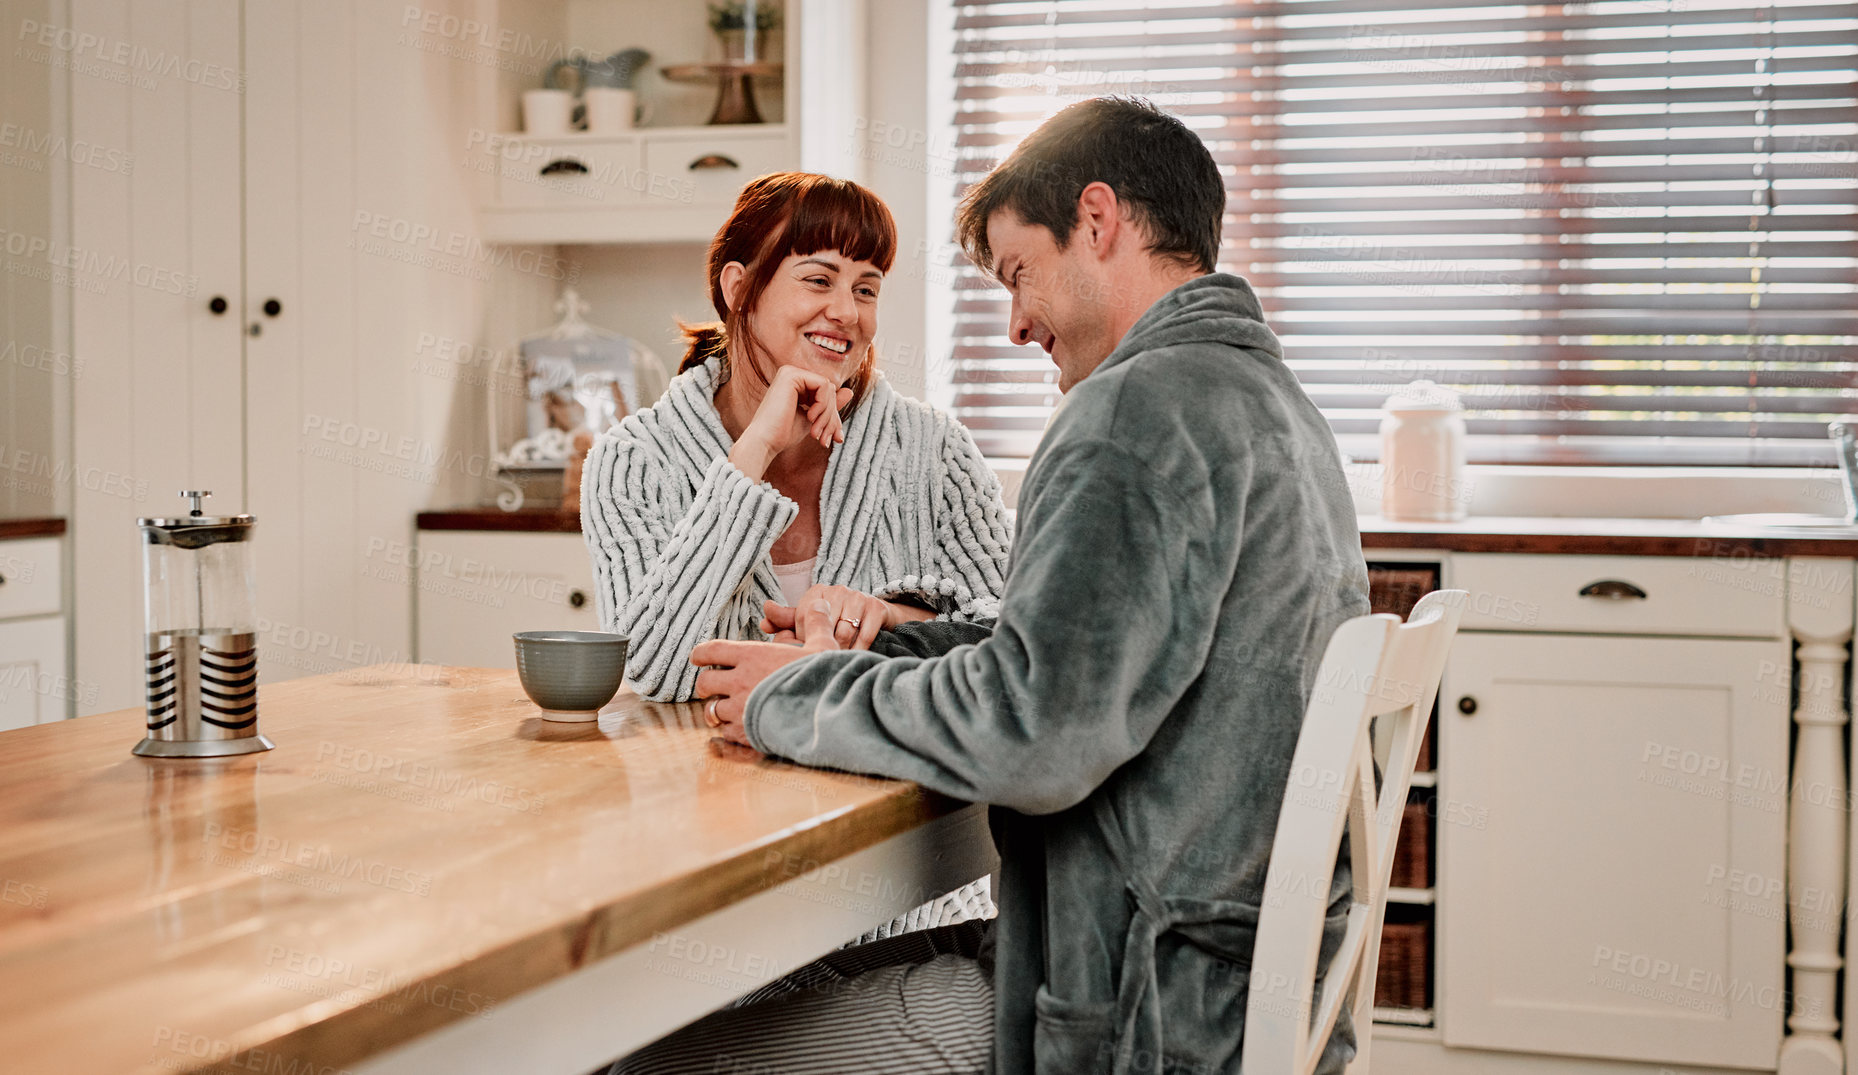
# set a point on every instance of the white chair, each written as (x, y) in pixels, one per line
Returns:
(1375, 666)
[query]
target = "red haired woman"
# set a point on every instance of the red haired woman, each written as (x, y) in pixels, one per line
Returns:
(779, 469)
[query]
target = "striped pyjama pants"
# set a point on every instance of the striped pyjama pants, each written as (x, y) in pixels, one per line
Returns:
(919, 1003)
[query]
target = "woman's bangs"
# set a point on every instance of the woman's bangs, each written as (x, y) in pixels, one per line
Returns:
(844, 217)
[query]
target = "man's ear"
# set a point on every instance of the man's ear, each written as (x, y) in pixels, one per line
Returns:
(1099, 218)
(731, 280)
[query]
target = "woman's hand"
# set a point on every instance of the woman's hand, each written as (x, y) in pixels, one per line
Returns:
(856, 617)
(799, 405)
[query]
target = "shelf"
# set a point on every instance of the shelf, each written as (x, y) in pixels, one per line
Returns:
(1418, 897)
(683, 224)
(700, 130)
(1426, 780)
(655, 184)
(709, 72)
(1417, 1017)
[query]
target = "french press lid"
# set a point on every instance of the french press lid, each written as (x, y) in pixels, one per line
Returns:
(195, 529)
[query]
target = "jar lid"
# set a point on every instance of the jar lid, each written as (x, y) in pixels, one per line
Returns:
(196, 532)
(1423, 396)
(196, 529)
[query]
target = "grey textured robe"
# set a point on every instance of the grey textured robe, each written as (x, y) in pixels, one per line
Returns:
(1186, 546)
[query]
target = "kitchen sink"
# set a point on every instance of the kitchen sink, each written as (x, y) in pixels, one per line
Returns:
(1844, 434)
(1785, 520)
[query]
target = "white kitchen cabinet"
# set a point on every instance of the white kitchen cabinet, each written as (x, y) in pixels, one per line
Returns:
(677, 184)
(1612, 841)
(475, 589)
(1624, 595)
(647, 186)
(159, 409)
(310, 176)
(33, 687)
(30, 577)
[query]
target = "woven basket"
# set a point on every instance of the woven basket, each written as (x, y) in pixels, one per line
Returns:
(1412, 864)
(1404, 977)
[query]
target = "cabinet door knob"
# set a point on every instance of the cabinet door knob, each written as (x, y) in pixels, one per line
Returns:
(1613, 590)
(1467, 705)
(713, 160)
(217, 304)
(272, 307)
(577, 599)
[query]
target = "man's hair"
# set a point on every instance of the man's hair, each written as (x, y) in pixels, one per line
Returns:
(1158, 168)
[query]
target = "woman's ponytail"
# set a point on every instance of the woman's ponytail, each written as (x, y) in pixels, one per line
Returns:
(703, 340)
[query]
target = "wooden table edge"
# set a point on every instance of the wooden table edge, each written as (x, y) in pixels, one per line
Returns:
(369, 1027)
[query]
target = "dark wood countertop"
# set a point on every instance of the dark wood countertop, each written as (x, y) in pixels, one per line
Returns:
(1515, 534)
(537, 521)
(47, 526)
(1602, 537)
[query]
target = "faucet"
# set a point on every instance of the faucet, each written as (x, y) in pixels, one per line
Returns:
(1844, 433)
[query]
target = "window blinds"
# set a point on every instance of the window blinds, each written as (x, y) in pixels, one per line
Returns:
(1626, 231)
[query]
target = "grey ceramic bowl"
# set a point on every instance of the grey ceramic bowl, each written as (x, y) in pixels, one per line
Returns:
(570, 674)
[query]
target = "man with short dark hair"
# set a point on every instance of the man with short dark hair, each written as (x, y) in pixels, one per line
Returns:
(1186, 546)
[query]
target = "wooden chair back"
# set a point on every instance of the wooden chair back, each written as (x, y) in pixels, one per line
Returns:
(1375, 667)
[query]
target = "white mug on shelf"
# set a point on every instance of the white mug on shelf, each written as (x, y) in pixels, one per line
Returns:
(547, 111)
(610, 110)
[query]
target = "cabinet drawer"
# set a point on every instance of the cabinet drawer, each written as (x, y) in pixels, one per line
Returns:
(1717, 597)
(569, 172)
(33, 687)
(477, 589)
(29, 577)
(710, 170)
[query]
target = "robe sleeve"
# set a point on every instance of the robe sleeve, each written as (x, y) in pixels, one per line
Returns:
(967, 572)
(663, 579)
(1116, 589)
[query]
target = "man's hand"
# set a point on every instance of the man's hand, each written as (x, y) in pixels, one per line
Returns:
(731, 670)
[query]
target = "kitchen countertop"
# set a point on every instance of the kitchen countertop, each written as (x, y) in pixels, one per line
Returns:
(532, 520)
(1514, 534)
(419, 849)
(1601, 537)
(33, 526)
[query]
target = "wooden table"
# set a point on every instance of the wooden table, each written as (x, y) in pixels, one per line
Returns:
(425, 876)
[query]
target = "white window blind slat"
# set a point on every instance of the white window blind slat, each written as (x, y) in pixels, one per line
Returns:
(1626, 231)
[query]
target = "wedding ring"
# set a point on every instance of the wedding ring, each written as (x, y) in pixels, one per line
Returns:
(709, 714)
(855, 623)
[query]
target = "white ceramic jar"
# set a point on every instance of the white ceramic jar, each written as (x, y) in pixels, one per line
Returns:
(1422, 456)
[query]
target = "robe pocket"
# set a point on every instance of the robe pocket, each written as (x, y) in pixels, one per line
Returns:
(1072, 1037)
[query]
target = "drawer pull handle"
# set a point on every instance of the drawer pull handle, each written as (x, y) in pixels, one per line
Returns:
(566, 165)
(577, 599)
(1467, 705)
(713, 160)
(1613, 590)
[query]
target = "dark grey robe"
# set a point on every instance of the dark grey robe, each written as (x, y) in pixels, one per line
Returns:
(1186, 546)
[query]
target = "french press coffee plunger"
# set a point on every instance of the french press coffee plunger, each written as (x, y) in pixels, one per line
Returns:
(202, 647)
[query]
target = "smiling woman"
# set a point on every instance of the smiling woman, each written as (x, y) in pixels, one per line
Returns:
(779, 443)
(824, 227)
(780, 471)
